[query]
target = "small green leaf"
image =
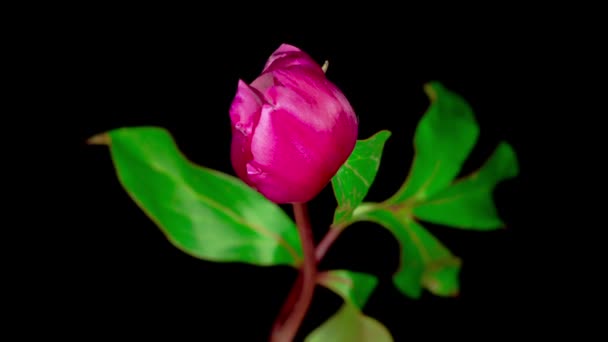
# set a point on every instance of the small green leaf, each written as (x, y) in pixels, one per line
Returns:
(350, 325)
(424, 261)
(468, 203)
(353, 180)
(203, 212)
(445, 136)
(353, 287)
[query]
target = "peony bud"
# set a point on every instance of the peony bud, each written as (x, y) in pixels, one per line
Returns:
(292, 129)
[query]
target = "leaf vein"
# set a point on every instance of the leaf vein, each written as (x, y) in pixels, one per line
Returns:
(356, 173)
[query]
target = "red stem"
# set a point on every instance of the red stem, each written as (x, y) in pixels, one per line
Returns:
(289, 329)
(327, 241)
(288, 304)
(295, 294)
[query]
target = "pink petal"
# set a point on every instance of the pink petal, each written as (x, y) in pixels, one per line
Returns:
(288, 153)
(310, 97)
(287, 56)
(244, 114)
(245, 108)
(240, 154)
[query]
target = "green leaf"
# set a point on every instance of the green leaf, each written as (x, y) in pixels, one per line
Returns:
(468, 203)
(350, 325)
(353, 287)
(424, 261)
(203, 212)
(352, 181)
(445, 136)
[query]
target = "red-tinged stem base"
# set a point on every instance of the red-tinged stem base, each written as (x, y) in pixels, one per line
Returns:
(288, 304)
(287, 331)
(298, 300)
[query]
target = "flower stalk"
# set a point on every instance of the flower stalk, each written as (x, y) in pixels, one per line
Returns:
(308, 273)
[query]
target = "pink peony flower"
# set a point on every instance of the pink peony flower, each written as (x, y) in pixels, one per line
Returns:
(292, 128)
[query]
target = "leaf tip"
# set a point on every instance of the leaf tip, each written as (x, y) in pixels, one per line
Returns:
(512, 158)
(430, 91)
(99, 139)
(385, 134)
(436, 289)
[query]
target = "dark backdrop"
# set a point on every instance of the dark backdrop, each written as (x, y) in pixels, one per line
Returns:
(119, 273)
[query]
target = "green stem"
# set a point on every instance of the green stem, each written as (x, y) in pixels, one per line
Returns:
(289, 329)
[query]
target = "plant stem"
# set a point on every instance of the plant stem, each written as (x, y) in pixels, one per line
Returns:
(290, 301)
(288, 331)
(327, 241)
(292, 297)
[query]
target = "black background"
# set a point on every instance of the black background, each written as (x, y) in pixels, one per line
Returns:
(115, 271)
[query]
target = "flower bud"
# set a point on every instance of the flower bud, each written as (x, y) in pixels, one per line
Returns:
(292, 128)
